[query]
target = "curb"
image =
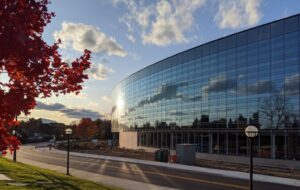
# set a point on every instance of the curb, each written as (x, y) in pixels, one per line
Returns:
(224, 173)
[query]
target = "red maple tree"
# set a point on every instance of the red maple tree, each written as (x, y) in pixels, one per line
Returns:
(33, 68)
(86, 129)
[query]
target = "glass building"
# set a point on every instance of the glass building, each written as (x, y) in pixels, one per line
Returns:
(209, 94)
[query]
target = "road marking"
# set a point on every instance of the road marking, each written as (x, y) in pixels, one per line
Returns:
(137, 171)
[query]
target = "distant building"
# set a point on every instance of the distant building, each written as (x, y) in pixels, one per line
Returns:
(207, 95)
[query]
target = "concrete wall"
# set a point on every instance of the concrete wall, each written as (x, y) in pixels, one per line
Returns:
(289, 164)
(128, 140)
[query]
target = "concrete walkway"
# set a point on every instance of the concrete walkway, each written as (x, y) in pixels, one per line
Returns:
(4, 178)
(225, 173)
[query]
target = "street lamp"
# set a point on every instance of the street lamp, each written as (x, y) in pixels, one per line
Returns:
(15, 150)
(68, 132)
(251, 132)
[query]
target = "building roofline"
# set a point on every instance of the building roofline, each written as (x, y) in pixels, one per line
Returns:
(206, 43)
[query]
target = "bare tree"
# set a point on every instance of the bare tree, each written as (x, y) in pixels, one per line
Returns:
(274, 109)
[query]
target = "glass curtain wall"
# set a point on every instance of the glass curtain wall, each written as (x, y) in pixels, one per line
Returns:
(248, 78)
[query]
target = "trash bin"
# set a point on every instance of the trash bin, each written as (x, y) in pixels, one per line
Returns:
(157, 155)
(162, 155)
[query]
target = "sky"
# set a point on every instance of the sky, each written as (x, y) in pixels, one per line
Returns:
(127, 35)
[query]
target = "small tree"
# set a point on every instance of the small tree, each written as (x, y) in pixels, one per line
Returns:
(33, 68)
(274, 109)
(86, 129)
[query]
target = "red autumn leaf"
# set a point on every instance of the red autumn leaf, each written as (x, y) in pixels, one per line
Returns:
(33, 67)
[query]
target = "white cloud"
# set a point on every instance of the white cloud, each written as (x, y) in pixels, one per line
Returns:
(134, 56)
(92, 104)
(106, 99)
(131, 38)
(139, 13)
(161, 23)
(81, 36)
(238, 13)
(81, 95)
(99, 71)
(291, 85)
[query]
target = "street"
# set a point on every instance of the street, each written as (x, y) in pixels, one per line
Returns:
(160, 176)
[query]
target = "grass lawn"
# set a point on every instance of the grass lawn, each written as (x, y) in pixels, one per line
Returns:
(38, 179)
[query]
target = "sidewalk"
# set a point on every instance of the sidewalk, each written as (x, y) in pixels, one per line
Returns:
(4, 178)
(225, 173)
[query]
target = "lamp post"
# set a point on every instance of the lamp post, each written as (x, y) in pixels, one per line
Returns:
(68, 132)
(15, 150)
(251, 132)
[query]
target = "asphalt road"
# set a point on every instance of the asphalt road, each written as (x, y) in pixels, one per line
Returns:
(161, 176)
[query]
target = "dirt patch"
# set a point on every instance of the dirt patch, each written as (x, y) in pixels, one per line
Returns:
(103, 149)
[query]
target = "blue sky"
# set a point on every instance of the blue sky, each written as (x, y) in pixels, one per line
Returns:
(125, 36)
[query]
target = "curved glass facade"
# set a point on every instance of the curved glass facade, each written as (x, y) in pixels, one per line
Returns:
(248, 78)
